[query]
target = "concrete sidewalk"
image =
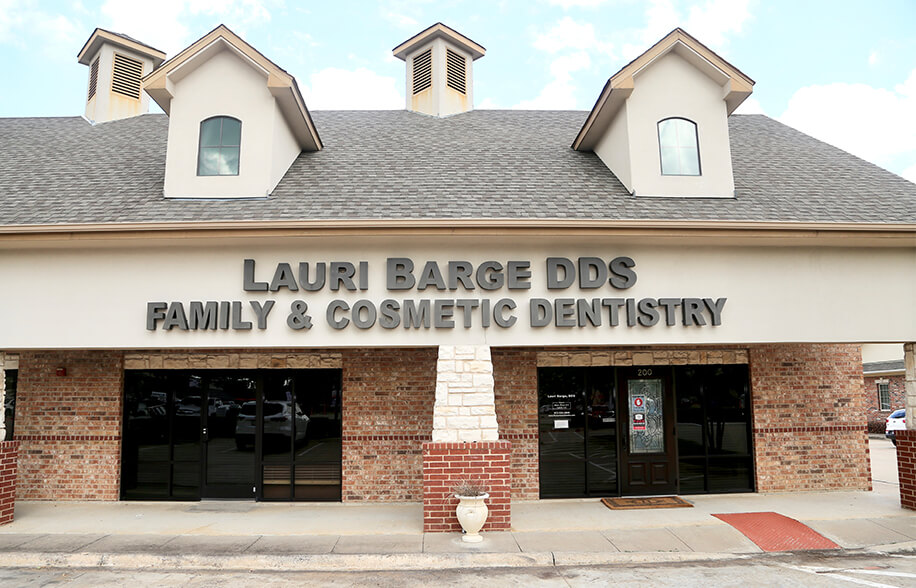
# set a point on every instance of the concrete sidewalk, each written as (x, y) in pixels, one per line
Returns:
(333, 536)
(247, 536)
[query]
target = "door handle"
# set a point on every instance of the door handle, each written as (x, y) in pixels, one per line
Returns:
(203, 434)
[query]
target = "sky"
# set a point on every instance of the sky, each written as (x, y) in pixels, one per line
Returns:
(843, 71)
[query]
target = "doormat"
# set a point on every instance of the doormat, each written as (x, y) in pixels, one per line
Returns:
(646, 502)
(772, 531)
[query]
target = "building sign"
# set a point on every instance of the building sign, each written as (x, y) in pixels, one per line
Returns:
(487, 295)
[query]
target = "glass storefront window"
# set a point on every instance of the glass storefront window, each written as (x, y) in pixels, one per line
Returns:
(9, 402)
(270, 434)
(714, 429)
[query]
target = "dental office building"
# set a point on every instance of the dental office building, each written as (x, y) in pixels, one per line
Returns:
(242, 299)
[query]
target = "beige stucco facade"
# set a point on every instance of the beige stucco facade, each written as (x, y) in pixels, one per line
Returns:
(226, 83)
(94, 294)
(670, 87)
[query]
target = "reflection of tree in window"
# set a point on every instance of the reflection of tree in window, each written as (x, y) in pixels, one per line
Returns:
(677, 141)
(220, 140)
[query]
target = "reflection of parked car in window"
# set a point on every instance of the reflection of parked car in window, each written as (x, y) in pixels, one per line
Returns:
(895, 422)
(278, 422)
(190, 406)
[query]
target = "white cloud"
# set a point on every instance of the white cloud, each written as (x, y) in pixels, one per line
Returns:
(873, 58)
(58, 33)
(560, 92)
(712, 22)
(401, 20)
(486, 104)
(572, 43)
(874, 123)
(750, 106)
(360, 89)
(569, 34)
(567, 4)
(166, 27)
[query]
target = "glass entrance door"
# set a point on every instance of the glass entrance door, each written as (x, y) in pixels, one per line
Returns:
(648, 458)
(229, 470)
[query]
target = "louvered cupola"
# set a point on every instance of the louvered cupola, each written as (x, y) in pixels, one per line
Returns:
(440, 66)
(117, 63)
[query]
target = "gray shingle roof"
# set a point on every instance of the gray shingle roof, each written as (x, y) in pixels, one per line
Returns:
(883, 366)
(401, 165)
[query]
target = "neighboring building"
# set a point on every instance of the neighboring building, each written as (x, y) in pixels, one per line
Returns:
(883, 369)
(244, 299)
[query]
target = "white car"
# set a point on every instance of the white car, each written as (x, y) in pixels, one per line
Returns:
(895, 422)
(278, 421)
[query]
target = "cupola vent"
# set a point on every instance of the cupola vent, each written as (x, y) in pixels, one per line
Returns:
(126, 76)
(117, 65)
(423, 71)
(455, 71)
(439, 70)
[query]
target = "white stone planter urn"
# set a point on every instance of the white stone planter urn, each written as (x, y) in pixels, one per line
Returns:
(472, 513)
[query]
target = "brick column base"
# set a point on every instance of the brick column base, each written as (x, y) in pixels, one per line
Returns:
(906, 468)
(445, 464)
(9, 456)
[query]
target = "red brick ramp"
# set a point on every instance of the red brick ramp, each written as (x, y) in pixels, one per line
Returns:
(772, 531)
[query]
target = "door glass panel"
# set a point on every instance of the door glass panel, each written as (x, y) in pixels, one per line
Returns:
(230, 468)
(601, 432)
(646, 424)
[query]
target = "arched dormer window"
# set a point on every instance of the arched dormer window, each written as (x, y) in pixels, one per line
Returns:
(678, 146)
(220, 141)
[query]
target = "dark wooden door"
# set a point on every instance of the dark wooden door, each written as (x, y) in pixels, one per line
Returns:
(647, 420)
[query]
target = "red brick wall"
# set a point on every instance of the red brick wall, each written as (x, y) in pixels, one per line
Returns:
(809, 418)
(906, 468)
(69, 427)
(446, 464)
(516, 389)
(876, 417)
(388, 397)
(9, 452)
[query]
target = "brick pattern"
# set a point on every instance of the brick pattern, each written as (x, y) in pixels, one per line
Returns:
(69, 427)
(228, 359)
(906, 467)
(516, 392)
(9, 453)
(809, 418)
(648, 356)
(896, 391)
(388, 397)
(446, 464)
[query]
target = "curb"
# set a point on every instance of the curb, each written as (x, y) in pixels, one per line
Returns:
(344, 563)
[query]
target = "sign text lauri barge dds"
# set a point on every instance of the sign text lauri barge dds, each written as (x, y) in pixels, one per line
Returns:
(419, 312)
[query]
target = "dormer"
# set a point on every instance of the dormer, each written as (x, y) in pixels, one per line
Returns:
(237, 121)
(440, 70)
(661, 122)
(116, 63)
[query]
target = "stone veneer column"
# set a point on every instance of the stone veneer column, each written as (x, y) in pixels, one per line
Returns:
(9, 453)
(465, 441)
(906, 440)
